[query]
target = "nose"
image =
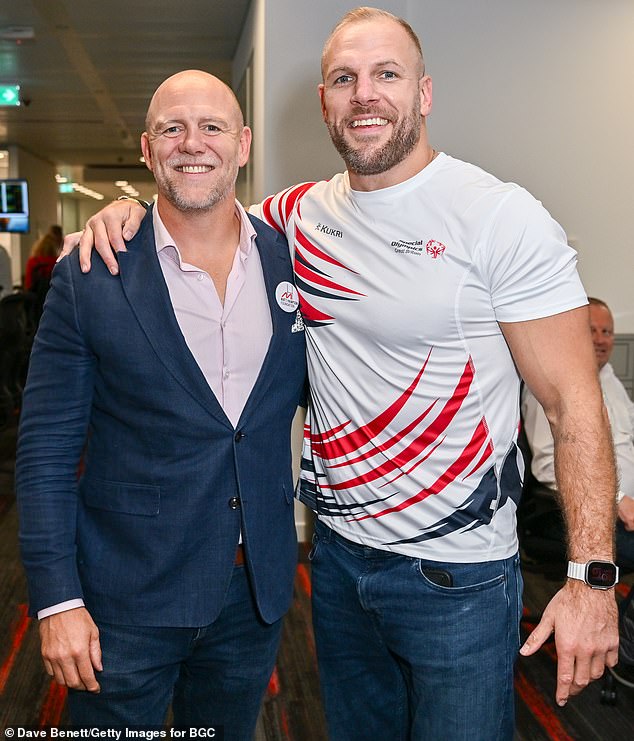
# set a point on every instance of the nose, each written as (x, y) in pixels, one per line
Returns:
(364, 91)
(193, 141)
(597, 336)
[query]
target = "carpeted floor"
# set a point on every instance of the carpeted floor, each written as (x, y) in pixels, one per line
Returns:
(292, 708)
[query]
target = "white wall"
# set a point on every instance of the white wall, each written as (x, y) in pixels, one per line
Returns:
(537, 92)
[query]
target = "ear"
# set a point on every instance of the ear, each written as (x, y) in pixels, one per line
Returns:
(425, 88)
(321, 88)
(147, 152)
(246, 136)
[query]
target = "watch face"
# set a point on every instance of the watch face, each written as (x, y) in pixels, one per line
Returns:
(601, 574)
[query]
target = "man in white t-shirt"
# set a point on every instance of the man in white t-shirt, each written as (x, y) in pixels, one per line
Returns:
(416, 274)
(621, 414)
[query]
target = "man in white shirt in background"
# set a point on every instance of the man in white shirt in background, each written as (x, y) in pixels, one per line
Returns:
(621, 413)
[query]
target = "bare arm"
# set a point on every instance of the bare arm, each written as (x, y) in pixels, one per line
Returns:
(71, 649)
(105, 231)
(555, 357)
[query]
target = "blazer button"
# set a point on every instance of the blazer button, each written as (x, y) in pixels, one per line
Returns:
(238, 436)
(234, 503)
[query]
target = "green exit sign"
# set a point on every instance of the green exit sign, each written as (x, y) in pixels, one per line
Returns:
(9, 95)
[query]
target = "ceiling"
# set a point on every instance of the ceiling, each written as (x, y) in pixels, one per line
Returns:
(90, 69)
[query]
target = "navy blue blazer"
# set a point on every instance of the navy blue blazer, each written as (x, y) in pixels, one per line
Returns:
(148, 534)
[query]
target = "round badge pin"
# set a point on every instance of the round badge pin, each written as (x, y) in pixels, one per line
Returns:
(287, 297)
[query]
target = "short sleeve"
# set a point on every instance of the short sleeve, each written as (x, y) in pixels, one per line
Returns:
(531, 269)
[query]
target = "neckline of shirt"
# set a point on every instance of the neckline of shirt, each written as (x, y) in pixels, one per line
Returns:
(163, 239)
(414, 182)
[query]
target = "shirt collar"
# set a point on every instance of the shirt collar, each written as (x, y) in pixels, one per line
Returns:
(163, 238)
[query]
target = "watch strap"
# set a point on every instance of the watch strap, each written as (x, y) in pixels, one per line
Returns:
(576, 571)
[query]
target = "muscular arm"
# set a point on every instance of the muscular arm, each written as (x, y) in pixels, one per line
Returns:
(555, 357)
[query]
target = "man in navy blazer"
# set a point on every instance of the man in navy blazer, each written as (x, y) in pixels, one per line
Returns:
(168, 565)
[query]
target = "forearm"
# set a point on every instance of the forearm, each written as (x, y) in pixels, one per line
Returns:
(586, 479)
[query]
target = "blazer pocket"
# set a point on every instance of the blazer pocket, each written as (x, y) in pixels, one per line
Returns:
(115, 496)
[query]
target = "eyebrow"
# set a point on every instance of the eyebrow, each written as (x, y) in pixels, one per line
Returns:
(160, 123)
(348, 68)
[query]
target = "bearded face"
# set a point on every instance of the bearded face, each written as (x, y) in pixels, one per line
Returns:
(188, 196)
(371, 157)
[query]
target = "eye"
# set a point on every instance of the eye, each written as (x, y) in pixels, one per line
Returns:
(342, 80)
(172, 131)
(210, 129)
(388, 75)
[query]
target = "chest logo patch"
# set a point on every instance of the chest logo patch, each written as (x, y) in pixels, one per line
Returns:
(287, 297)
(435, 249)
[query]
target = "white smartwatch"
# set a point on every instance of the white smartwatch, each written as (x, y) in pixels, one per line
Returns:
(596, 574)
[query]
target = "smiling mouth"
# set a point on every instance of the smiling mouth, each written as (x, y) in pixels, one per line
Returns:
(368, 122)
(194, 169)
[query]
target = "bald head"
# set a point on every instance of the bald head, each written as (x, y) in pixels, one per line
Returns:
(183, 86)
(195, 142)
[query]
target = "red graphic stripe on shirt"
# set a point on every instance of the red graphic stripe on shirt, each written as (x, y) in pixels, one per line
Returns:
(268, 214)
(451, 474)
(301, 238)
(309, 274)
(291, 197)
(310, 313)
(484, 458)
(428, 437)
(405, 472)
(356, 439)
(386, 445)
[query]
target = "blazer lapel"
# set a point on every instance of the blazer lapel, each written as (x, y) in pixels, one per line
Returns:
(145, 288)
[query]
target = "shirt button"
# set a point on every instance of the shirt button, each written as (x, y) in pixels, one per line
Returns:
(238, 436)
(234, 503)
(200, 277)
(226, 374)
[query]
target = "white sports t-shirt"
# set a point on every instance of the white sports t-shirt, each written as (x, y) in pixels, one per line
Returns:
(410, 437)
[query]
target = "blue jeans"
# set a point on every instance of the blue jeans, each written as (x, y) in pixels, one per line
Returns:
(404, 659)
(214, 675)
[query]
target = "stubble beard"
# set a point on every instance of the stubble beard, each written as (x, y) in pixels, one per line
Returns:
(363, 159)
(187, 203)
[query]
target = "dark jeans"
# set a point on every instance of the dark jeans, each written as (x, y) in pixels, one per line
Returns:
(401, 658)
(214, 675)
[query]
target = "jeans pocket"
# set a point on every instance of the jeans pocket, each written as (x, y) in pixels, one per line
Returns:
(462, 578)
(314, 547)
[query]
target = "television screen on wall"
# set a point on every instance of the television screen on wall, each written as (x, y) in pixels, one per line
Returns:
(14, 206)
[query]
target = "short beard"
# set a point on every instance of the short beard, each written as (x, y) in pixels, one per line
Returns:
(188, 204)
(374, 162)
